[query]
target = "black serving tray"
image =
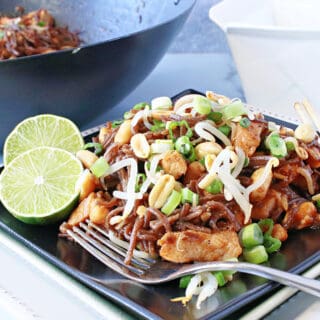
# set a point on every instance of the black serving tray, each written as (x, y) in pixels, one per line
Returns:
(298, 253)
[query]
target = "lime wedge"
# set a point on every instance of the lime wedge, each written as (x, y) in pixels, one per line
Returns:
(42, 130)
(38, 187)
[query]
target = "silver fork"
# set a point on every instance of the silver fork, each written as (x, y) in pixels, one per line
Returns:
(149, 271)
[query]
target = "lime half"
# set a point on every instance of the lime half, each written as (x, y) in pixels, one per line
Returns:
(42, 130)
(38, 187)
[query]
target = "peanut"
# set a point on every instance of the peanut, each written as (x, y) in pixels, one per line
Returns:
(161, 191)
(174, 164)
(87, 158)
(124, 134)
(86, 184)
(205, 148)
(260, 193)
(140, 146)
(141, 211)
(102, 134)
(98, 213)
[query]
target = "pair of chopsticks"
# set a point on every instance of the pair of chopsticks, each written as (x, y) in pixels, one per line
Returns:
(307, 114)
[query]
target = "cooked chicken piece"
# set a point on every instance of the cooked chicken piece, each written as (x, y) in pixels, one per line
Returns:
(301, 214)
(194, 172)
(260, 193)
(248, 139)
(174, 164)
(190, 245)
(279, 232)
(271, 206)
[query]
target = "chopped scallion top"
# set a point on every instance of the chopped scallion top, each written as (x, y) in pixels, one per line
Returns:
(251, 235)
(276, 145)
(41, 24)
(233, 110)
(215, 187)
(158, 125)
(220, 278)
(266, 225)
(96, 145)
(184, 281)
(257, 254)
(271, 244)
(127, 115)
(175, 124)
(290, 146)
(215, 116)
(225, 129)
(189, 196)
(116, 123)
(140, 106)
(245, 123)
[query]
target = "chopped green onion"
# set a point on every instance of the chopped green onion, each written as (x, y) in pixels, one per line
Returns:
(157, 125)
(141, 178)
(140, 106)
(99, 167)
(183, 145)
(290, 146)
(184, 281)
(203, 161)
(251, 235)
(161, 103)
(318, 204)
(271, 244)
(215, 187)
(225, 129)
(1, 34)
(246, 162)
(266, 226)
(202, 105)
(233, 110)
(245, 123)
(96, 145)
(229, 273)
(116, 123)
(215, 116)
(161, 146)
(220, 278)
(41, 24)
(148, 165)
(257, 254)
(174, 124)
(127, 115)
(188, 196)
(172, 202)
(276, 145)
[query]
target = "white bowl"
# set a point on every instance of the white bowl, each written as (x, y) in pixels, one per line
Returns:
(278, 61)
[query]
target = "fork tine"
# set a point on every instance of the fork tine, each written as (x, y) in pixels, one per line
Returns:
(112, 246)
(102, 251)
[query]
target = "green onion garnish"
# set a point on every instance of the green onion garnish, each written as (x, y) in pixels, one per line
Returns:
(188, 196)
(276, 145)
(257, 254)
(246, 162)
(116, 123)
(96, 145)
(1, 34)
(215, 187)
(141, 178)
(100, 167)
(220, 278)
(318, 204)
(184, 281)
(271, 244)
(225, 129)
(233, 110)
(290, 146)
(245, 123)
(251, 235)
(202, 105)
(175, 124)
(127, 115)
(172, 202)
(41, 24)
(215, 116)
(266, 226)
(161, 146)
(158, 125)
(183, 145)
(140, 106)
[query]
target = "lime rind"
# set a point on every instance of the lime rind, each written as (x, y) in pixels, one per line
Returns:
(38, 186)
(42, 130)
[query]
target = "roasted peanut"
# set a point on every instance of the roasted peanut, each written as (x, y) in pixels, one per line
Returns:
(174, 164)
(81, 212)
(161, 191)
(194, 172)
(98, 213)
(86, 184)
(87, 158)
(205, 148)
(102, 134)
(140, 146)
(279, 232)
(141, 211)
(124, 134)
(305, 132)
(260, 193)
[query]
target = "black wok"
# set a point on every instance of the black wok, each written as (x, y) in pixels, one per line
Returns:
(122, 42)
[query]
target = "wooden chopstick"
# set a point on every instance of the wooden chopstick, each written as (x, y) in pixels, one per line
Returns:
(312, 114)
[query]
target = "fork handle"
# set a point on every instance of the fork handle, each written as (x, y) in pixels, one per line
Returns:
(308, 285)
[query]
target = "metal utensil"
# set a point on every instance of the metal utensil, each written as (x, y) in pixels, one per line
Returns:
(149, 271)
